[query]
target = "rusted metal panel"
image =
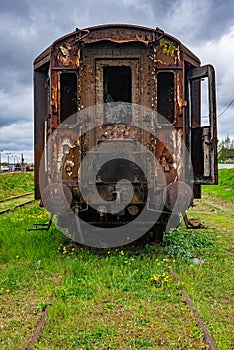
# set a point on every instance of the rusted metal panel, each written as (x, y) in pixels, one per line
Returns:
(40, 112)
(127, 32)
(208, 135)
(120, 36)
(42, 59)
(54, 99)
(167, 53)
(66, 55)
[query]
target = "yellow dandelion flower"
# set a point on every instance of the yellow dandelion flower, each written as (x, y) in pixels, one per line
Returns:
(108, 252)
(7, 290)
(173, 261)
(2, 289)
(158, 264)
(17, 257)
(169, 266)
(73, 249)
(122, 253)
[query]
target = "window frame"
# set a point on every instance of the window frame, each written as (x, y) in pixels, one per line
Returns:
(66, 72)
(174, 99)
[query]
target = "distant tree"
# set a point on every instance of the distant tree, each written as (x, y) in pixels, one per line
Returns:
(227, 142)
(226, 149)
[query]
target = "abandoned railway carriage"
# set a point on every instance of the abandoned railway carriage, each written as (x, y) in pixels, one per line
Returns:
(119, 136)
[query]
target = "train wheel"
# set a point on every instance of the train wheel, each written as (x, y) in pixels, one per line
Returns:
(156, 233)
(173, 222)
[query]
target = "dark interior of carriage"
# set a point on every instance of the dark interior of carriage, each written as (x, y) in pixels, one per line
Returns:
(117, 89)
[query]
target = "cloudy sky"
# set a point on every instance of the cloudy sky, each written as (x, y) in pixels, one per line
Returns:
(29, 26)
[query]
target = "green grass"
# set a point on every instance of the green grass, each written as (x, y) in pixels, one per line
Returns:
(225, 188)
(124, 298)
(11, 204)
(13, 184)
(210, 284)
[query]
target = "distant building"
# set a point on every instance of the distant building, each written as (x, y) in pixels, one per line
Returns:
(4, 169)
(29, 167)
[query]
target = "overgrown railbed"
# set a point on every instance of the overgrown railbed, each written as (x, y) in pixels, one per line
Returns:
(13, 184)
(123, 298)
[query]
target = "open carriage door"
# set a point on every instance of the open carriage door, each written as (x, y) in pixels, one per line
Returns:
(202, 137)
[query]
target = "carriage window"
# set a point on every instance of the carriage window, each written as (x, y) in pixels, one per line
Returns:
(165, 97)
(117, 88)
(68, 95)
(205, 120)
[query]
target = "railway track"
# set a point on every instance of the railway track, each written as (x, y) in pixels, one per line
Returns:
(43, 320)
(15, 197)
(14, 202)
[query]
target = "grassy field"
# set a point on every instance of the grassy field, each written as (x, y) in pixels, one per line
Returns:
(124, 298)
(13, 184)
(225, 189)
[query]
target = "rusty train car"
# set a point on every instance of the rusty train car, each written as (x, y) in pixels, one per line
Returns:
(106, 91)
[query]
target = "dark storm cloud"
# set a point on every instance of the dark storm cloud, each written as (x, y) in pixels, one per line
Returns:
(219, 18)
(195, 20)
(28, 27)
(15, 8)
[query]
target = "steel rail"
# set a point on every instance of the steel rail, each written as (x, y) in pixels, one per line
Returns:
(207, 337)
(15, 197)
(15, 207)
(37, 332)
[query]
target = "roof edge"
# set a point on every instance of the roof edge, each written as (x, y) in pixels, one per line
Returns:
(46, 52)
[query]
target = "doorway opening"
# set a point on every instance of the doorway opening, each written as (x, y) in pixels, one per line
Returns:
(117, 94)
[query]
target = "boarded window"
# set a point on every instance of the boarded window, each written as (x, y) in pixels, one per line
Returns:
(117, 88)
(68, 91)
(165, 98)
